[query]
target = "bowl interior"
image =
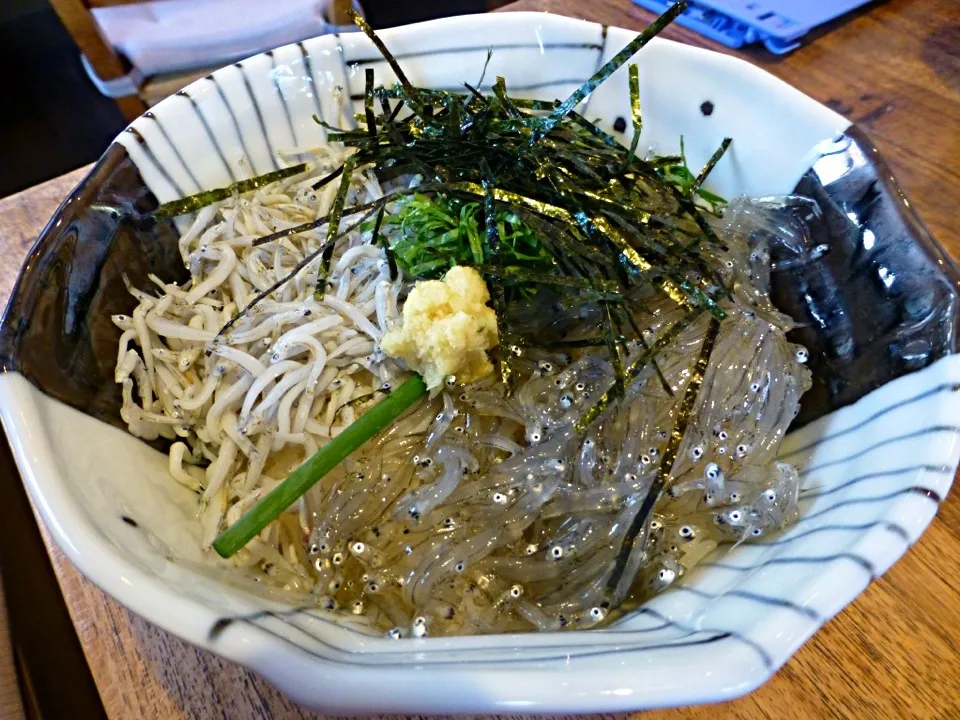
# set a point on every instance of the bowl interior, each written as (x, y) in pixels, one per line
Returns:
(873, 470)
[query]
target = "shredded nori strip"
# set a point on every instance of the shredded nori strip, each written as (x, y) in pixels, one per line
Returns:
(325, 247)
(636, 367)
(368, 103)
(192, 203)
(336, 213)
(413, 96)
(610, 67)
(664, 472)
(635, 113)
(714, 159)
(357, 401)
(380, 240)
(505, 356)
(329, 178)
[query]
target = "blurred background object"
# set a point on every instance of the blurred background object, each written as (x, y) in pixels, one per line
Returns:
(389, 13)
(779, 24)
(87, 67)
(138, 52)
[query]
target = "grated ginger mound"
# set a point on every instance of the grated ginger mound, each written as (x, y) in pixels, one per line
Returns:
(447, 327)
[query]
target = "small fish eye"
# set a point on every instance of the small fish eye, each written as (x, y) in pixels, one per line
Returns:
(557, 552)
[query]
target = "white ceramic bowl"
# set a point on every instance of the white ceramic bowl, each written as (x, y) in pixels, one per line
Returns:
(874, 471)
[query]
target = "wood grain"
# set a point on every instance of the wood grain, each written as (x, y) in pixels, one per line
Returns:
(894, 653)
(11, 706)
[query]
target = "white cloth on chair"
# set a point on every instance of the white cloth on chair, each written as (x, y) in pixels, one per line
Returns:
(167, 36)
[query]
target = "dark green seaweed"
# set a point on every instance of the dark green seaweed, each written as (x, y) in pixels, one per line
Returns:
(664, 472)
(532, 194)
(192, 203)
(635, 113)
(610, 67)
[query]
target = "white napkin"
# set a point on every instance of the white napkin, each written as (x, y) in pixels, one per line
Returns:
(166, 36)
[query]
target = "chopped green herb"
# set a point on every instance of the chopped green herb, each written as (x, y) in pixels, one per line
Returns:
(429, 235)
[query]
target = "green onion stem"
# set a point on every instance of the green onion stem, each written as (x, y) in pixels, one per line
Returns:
(252, 522)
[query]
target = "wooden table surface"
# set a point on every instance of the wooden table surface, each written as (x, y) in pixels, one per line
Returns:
(895, 68)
